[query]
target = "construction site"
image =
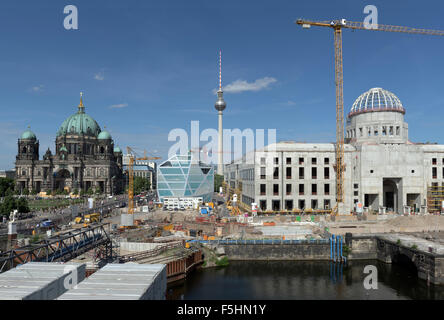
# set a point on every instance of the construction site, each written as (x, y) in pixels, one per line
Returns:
(373, 194)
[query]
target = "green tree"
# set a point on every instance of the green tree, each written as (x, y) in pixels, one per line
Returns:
(75, 192)
(218, 179)
(33, 191)
(7, 205)
(141, 184)
(25, 192)
(5, 185)
(90, 192)
(22, 205)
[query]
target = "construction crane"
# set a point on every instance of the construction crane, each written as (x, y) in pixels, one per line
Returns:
(132, 155)
(337, 26)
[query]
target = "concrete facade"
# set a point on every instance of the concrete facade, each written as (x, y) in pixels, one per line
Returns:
(383, 169)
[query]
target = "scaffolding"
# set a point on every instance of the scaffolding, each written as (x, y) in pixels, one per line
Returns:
(435, 198)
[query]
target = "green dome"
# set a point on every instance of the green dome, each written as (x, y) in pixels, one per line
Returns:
(28, 134)
(117, 150)
(104, 135)
(79, 124)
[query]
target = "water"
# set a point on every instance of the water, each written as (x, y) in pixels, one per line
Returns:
(317, 280)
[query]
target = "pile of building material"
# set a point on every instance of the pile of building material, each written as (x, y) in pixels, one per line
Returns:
(40, 280)
(129, 281)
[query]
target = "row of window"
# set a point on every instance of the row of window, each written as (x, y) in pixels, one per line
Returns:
(301, 171)
(301, 160)
(288, 189)
(374, 130)
(289, 205)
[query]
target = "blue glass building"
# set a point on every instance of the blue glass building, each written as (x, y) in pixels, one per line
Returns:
(182, 176)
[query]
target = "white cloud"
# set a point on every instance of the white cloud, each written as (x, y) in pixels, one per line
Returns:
(37, 88)
(118, 106)
(243, 85)
(290, 103)
(99, 76)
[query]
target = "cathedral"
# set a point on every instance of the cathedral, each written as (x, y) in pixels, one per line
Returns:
(85, 157)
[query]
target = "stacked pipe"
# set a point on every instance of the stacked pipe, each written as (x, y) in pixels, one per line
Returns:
(336, 242)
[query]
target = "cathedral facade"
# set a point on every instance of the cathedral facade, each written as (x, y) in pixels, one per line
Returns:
(85, 157)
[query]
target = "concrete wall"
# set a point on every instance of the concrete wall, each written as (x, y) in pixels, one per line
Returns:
(363, 248)
(278, 251)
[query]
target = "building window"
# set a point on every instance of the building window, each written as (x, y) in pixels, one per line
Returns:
(262, 172)
(313, 160)
(434, 173)
(288, 160)
(413, 171)
(301, 161)
(301, 204)
(276, 173)
(313, 173)
(275, 189)
(314, 204)
(263, 205)
(288, 189)
(376, 131)
(369, 131)
(263, 190)
(327, 204)
(434, 161)
(301, 189)
(276, 205)
(384, 130)
(301, 173)
(289, 205)
(326, 161)
(398, 131)
(327, 189)
(276, 160)
(263, 161)
(371, 171)
(314, 189)
(288, 173)
(326, 173)
(356, 186)
(360, 132)
(391, 130)
(356, 193)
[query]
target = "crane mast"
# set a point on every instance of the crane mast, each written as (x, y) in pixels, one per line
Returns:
(337, 26)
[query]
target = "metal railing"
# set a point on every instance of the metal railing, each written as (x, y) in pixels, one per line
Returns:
(261, 241)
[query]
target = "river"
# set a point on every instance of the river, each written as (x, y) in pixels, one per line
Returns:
(298, 280)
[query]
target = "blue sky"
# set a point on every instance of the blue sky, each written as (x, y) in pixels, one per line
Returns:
(147, 67)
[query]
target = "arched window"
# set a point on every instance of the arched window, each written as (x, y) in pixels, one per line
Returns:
(102, 150)
(24, 150)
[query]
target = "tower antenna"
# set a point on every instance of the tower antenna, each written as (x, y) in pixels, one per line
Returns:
(220, 70)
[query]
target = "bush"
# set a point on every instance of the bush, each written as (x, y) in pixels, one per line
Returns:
(222, 262)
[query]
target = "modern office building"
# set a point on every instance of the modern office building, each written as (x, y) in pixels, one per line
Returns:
(183, 176)
(383, 168)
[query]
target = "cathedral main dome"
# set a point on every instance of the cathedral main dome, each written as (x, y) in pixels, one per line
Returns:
(79, 123)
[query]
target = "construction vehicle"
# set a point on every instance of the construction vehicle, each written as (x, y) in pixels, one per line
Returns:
(337, 26)
(132, 158)
(87, 219)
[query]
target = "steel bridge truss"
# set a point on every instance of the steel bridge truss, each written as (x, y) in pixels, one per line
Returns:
(60, 248)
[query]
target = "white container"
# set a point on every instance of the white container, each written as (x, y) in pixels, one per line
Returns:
(129, 281)
(40, 280)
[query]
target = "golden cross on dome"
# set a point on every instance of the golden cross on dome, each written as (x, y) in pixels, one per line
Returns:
(81, 107)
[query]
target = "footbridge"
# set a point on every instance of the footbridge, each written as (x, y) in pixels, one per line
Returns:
(62, 248)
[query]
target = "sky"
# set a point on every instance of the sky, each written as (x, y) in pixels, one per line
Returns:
(147, 67)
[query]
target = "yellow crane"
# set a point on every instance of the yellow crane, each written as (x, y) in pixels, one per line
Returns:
(337, 26)
(132, 159)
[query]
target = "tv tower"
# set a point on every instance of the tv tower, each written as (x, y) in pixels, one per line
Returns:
(220, 106)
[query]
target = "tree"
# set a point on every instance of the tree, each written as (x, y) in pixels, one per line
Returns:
(25, 192)
(33, 191)
(90, 191)
(5, 185)
(7, 205)
(141, 184)
(22, 205)
(218, 179)
(75, 192)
